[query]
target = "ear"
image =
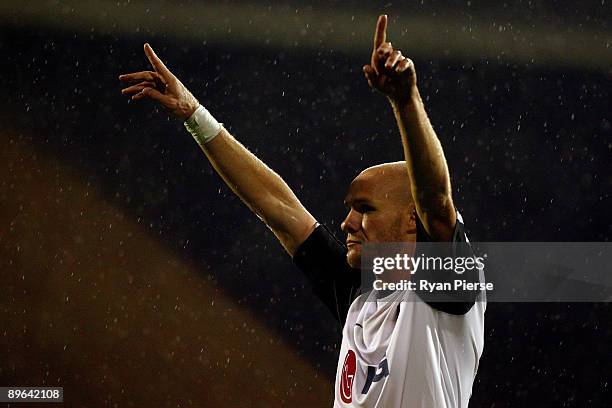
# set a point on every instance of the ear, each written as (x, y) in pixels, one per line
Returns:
(412, 219)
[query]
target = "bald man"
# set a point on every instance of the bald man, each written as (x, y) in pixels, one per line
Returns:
(398, 349)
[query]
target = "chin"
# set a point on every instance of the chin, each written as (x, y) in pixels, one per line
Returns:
(353, 257)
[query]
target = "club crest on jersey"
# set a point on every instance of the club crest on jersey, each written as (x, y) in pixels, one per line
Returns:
(348, 376)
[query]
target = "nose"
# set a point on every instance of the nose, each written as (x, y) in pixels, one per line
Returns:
(352, 222)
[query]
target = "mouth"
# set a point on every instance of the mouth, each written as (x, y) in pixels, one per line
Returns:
(350, 243)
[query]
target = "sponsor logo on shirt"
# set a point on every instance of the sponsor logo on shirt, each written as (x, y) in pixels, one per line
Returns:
(348, 376)
(375, 374)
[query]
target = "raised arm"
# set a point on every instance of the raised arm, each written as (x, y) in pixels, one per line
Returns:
(394, 75)
(259, 187)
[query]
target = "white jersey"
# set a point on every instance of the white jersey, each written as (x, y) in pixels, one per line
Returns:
(398, 351)
(407, 354)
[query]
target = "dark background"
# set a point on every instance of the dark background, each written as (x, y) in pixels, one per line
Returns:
(528, 146)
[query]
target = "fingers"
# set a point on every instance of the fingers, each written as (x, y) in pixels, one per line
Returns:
(384, 50)
(153, 94)
(380, 55)
(393, 59)
(159, 66)
(139, 76)
(138, 96)
(381, 31)
(387, 59)
(395, 65)
(138, 87)
(369, 70)
(403, 65)
(370, 74)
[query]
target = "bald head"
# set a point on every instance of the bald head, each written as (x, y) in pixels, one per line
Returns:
(381, 209)
(387, 181)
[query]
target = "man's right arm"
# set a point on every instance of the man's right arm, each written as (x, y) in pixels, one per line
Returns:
(259, 187)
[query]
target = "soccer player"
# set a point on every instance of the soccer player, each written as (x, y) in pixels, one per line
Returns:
(413, 353)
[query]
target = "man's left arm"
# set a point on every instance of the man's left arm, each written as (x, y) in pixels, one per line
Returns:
(394, 75)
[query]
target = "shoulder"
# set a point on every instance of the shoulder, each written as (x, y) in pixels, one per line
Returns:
(320, 242)
(449, 301)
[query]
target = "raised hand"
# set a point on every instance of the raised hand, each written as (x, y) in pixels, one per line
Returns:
(389, 71)
(160, 85)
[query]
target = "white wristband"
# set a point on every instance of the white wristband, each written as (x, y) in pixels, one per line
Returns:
(202, 126)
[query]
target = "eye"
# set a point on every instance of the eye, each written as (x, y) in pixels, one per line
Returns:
(365, 208)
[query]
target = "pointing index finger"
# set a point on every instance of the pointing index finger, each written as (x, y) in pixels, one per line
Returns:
(380, 35)
(159, 66)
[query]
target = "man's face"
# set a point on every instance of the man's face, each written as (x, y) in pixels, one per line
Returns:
(380, 210)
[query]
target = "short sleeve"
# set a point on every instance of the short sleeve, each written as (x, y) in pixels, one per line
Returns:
(322, 258)
(460, 247)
